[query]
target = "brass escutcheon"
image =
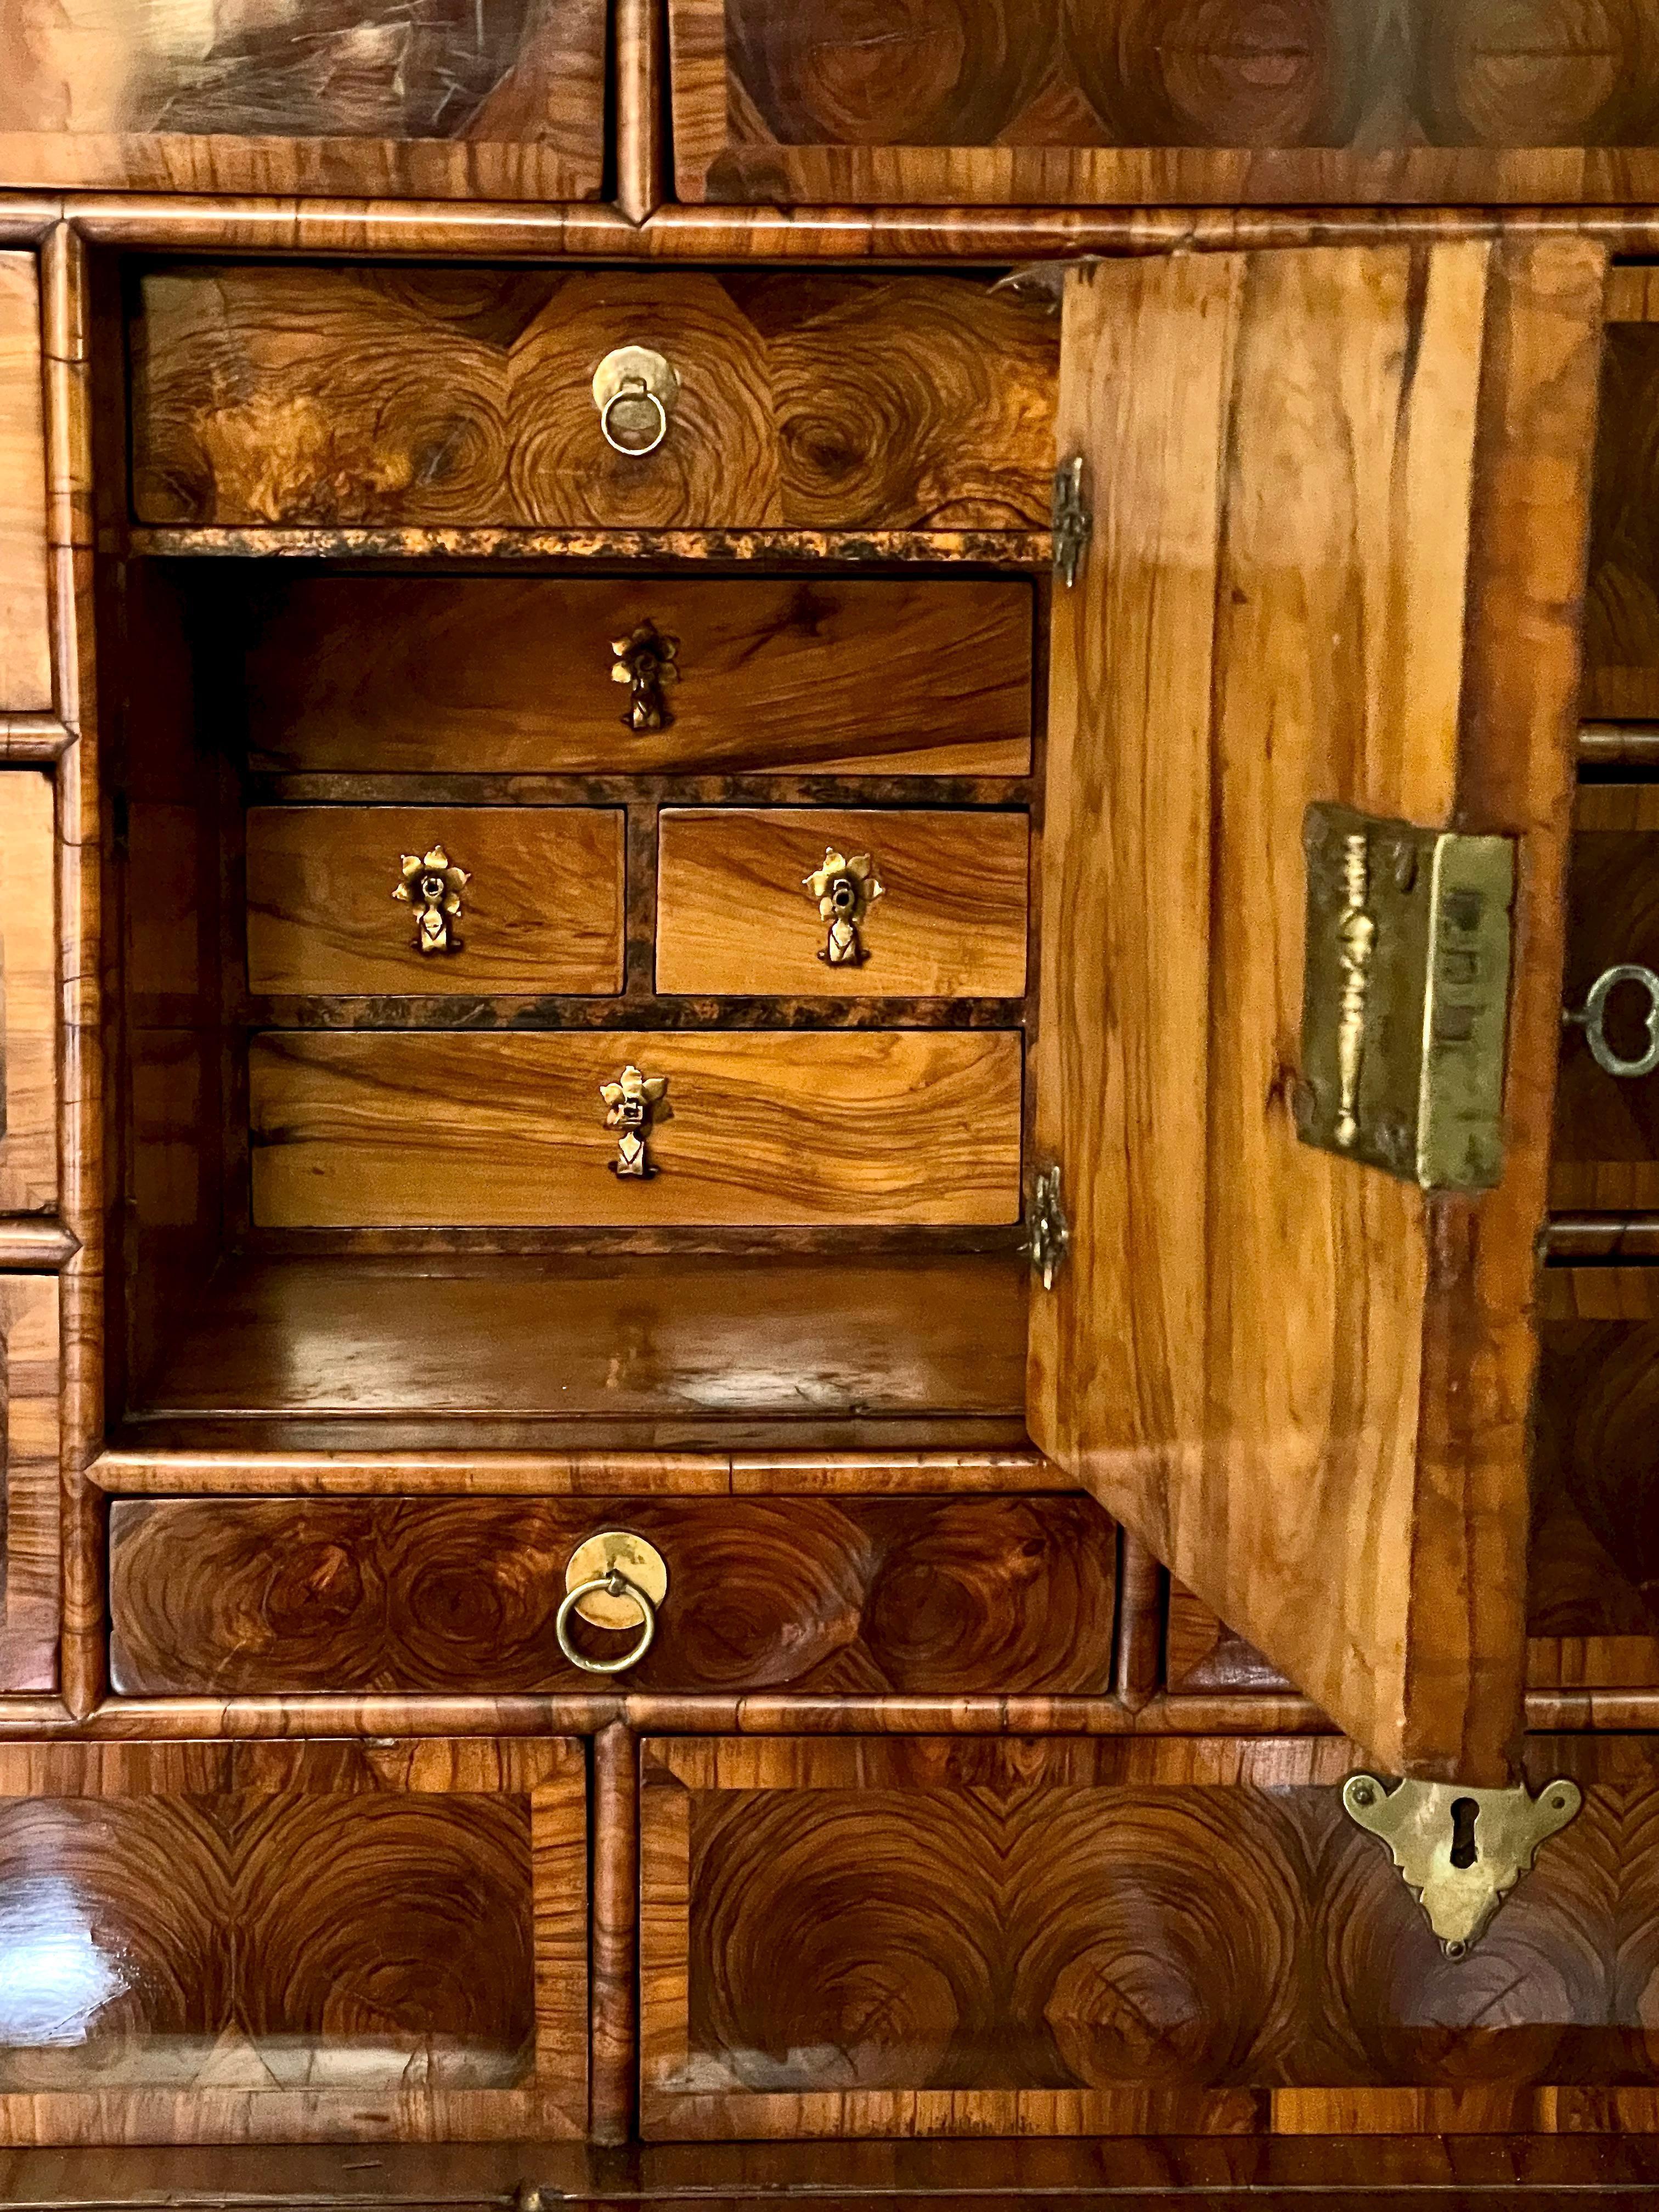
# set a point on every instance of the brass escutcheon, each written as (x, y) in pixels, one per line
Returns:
(630, 1103)
(432, 884)
(615, 1580)
(845, 891)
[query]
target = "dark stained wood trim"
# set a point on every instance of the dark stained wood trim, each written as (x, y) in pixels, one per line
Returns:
(1000, 549)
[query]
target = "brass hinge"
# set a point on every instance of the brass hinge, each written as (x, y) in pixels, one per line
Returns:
(1049, 1235)
(1404, 997)
(1072, 521)
(1460, 1851)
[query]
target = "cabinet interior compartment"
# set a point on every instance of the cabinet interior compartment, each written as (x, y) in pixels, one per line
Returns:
(366, 1190)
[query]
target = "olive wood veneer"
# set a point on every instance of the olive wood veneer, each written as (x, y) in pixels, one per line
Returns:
(205, 1983)
(294, 395)
(1019, 1938)
(28, 992)
(419, 1595)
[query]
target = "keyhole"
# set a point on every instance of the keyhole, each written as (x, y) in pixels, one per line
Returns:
(1463, 1813)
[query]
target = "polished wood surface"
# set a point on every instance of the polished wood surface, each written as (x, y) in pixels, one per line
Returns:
(30, 1376)
(1621, 608)
(861, 1596)
(1306, 1387)
(1605, 1156)
(298, 395)
(709, 1339)
(28, 994)
(1107, 1938)
(25, 657)
(733, 914)
(416, 674)
(363, 96)
(963, 101)
(205, 1982)
(353, 1131)
(542, 910)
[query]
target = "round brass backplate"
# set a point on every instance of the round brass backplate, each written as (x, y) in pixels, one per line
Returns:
(640, 1563)
(638, 367)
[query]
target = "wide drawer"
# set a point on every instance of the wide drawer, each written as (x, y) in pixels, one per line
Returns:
(1606, 1151)
(430, 396)
(537, 900)
(872, 903)
(1067, 1936)
(847, 1595)
(440, 1130)
(511, 675)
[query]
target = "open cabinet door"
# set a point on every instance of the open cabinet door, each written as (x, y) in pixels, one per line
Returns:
(1338, 501)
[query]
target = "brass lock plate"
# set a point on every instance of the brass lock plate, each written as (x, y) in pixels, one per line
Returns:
(1405, 998)
(631, 1556)
(1460, 1851)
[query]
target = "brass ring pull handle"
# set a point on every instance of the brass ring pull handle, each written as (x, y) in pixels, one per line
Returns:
(615, 1584)
(1592, 1015)
(633, 374)
(635, 388)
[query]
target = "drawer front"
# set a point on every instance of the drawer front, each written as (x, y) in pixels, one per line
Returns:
(1204, 1658)
(28, 994)
(384, 1131)
(29, 1377)
(1607, 1125)
(406, 396)
(843, 1596)
(540, 909)
(270, 1942)
(513, 675)
(1094, 1937)
(25, 647)
(444, 101)
(807, 902)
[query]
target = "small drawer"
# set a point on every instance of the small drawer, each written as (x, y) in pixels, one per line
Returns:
(28, 994)
(848, 1595)
(302, 394)
(1606, 1154)
(802, 902)
(348, 899)
(417, 1130)
(643, 675)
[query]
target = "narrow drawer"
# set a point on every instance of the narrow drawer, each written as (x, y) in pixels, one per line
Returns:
(807, 902)
(1607, 1125)
(510, 1131)
(295, 1942)
(517, 675)
(854, 1595)
(28, 994)
(29, 1546)
(540, 909)
(435, 397)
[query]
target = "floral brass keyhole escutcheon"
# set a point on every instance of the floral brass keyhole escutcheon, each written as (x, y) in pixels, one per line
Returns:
(845, 891)
(630, 1103)
(432, 884)
(646, 661)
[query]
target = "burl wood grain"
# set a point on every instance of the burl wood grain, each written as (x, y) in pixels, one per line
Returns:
(1070, 1937)
(1606, 1156)
(293, 1942)
(301, 395)
(413, 674)
(542, 913)
(30, 1373)
(1335, 492)
(447, 99)
(797, 1340)
(413, 1130)
(1069, 101)
(844, 1596)
(28, 994)
(733, 914)
(24, 655)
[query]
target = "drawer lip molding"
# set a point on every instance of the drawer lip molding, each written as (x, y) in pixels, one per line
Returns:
(429, 1129)
(541, 911)
(736, 914)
